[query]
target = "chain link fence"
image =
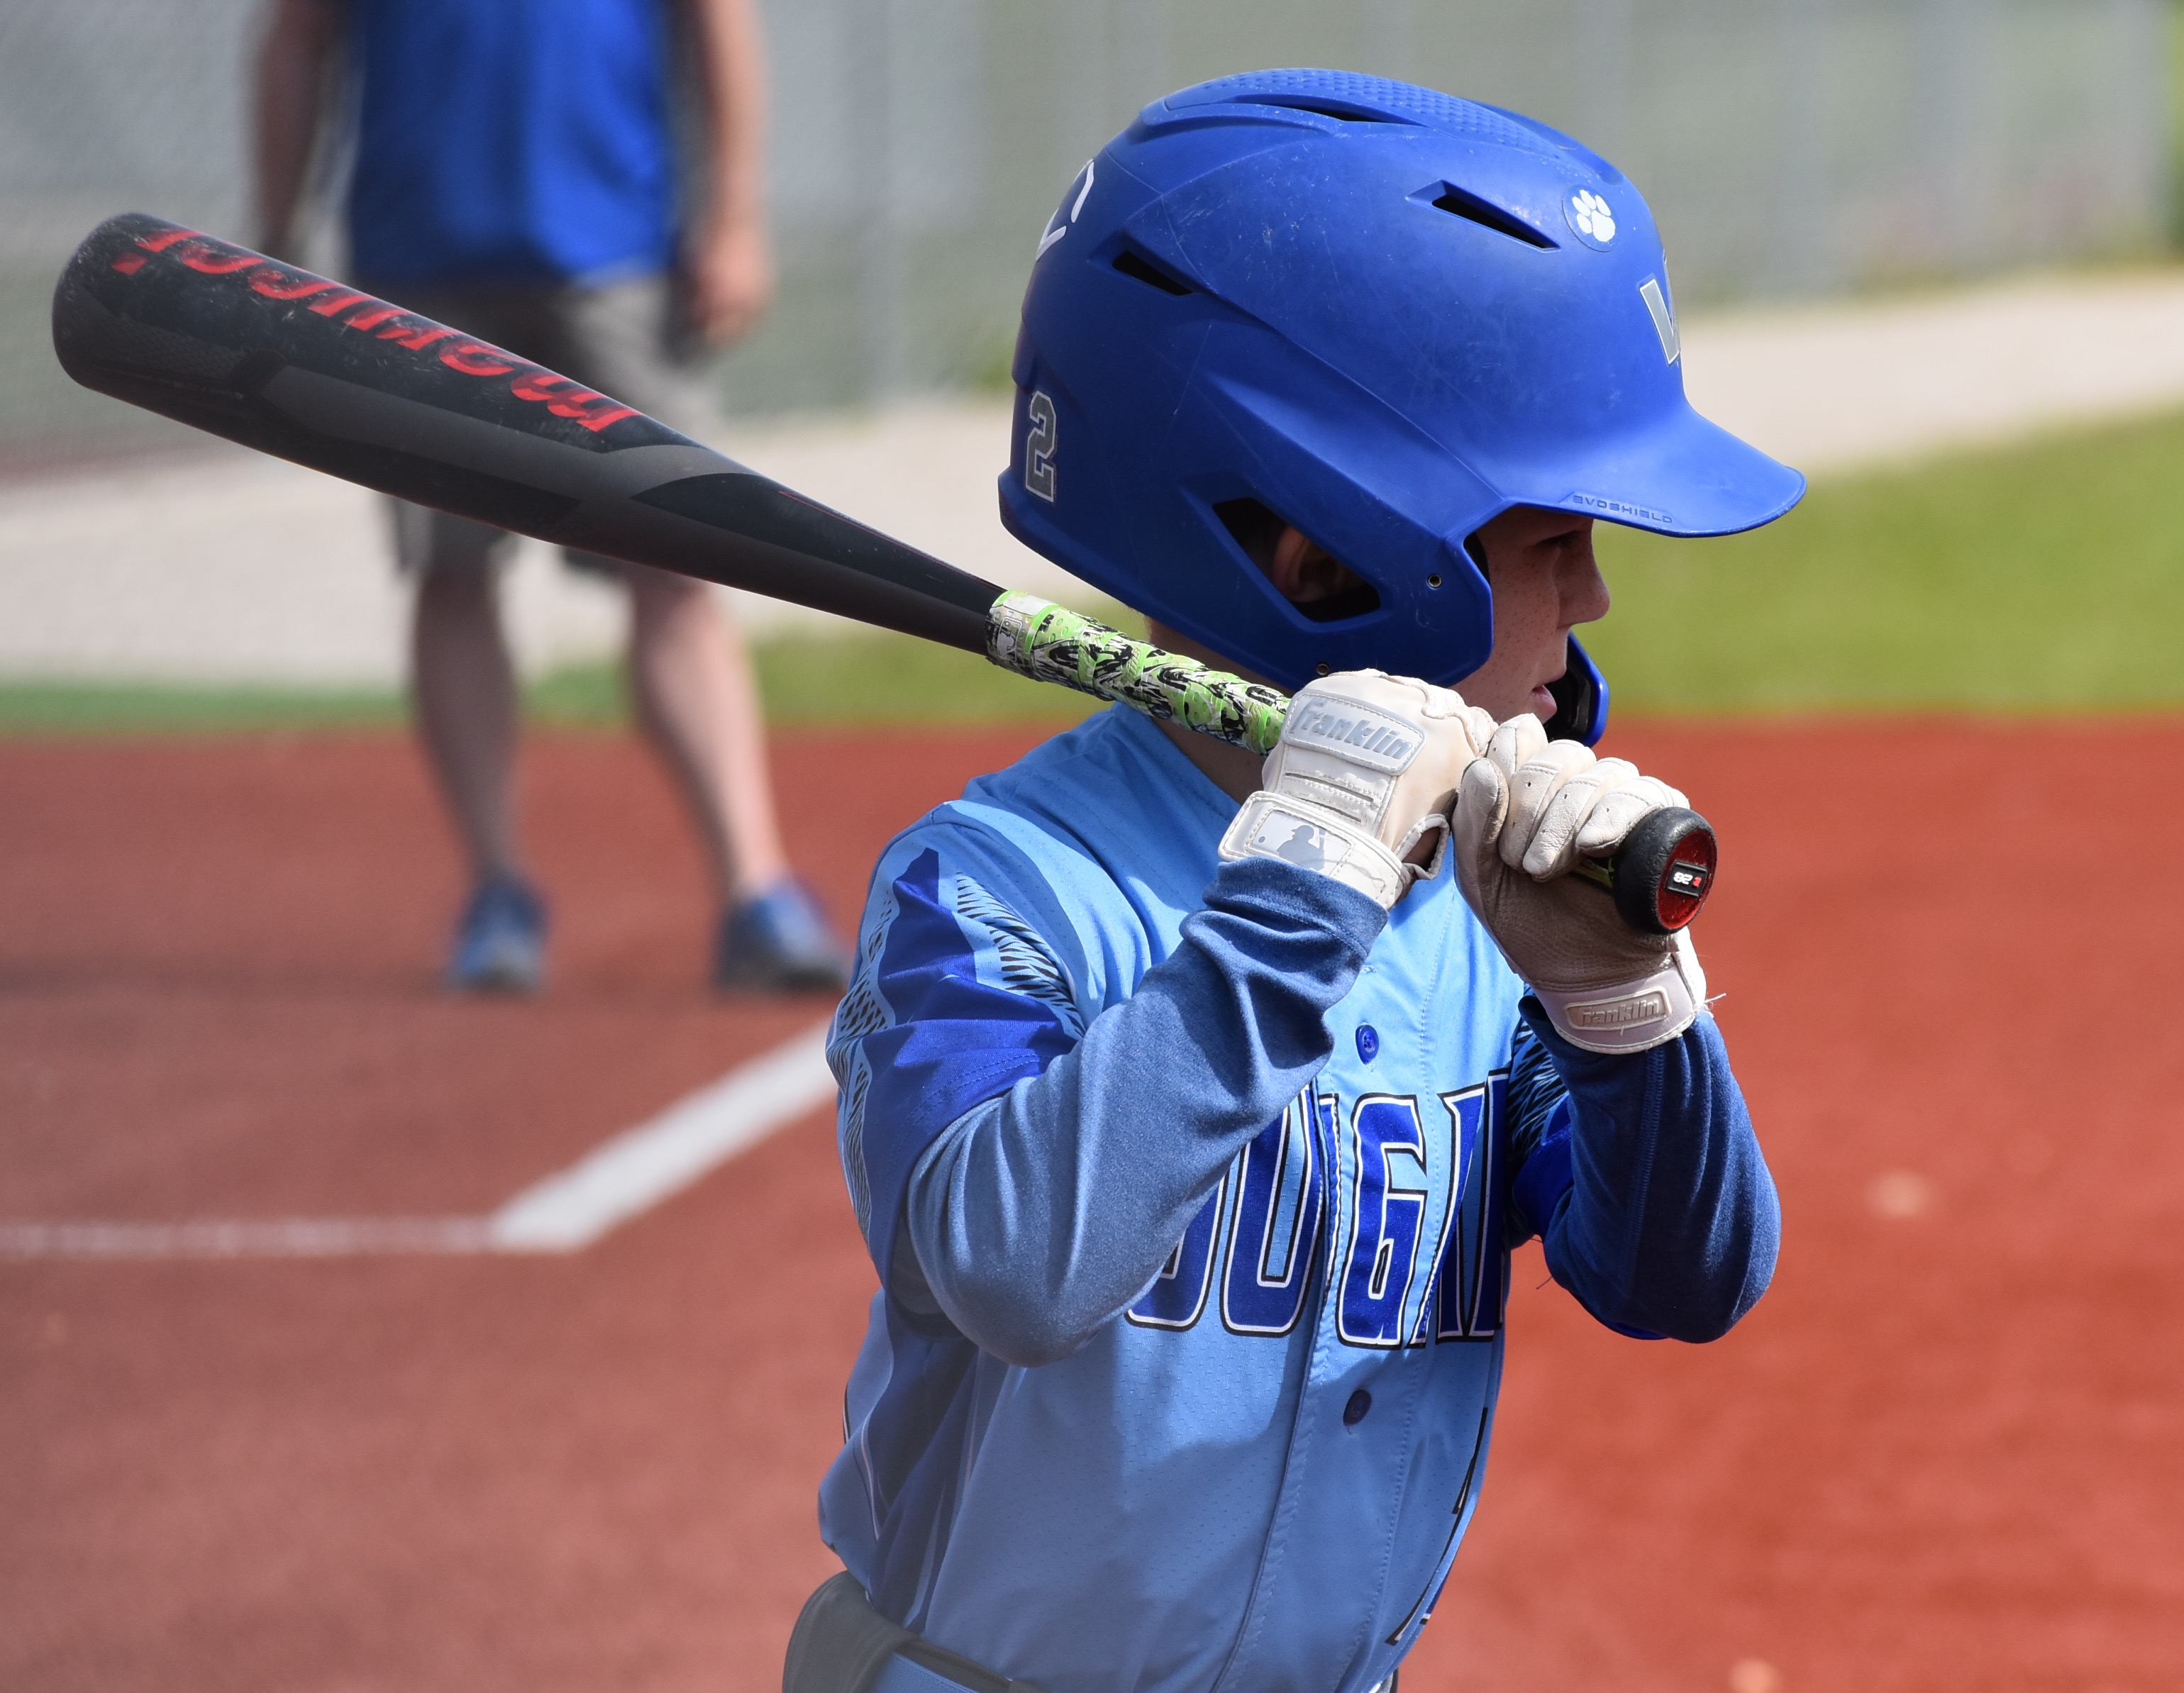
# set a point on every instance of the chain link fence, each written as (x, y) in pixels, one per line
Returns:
(1789, 147)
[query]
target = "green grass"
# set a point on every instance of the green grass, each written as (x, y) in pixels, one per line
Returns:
(2046, 576)
(586, 697)
(881, 678)
(864, 678)
(92, 708)
(861, 679)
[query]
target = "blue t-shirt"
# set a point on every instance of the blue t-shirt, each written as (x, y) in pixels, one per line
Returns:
(511, 141)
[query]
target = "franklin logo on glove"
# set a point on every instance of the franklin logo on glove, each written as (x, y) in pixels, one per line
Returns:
(1355, 730)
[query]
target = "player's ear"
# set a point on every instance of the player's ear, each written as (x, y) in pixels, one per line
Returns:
(1290, 561)
(1315, 582)
(1302, 572)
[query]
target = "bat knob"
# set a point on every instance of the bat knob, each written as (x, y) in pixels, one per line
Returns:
(1664, 870)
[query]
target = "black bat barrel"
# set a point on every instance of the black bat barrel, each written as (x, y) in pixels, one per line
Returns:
(312, 370)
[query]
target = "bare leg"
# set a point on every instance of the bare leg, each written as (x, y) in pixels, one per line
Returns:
(465, 690)
(691, 681)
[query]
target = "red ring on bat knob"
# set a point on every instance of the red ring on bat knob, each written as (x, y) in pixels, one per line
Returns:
(1665, 870)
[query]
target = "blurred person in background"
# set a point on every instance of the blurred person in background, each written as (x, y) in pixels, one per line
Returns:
(517, 177)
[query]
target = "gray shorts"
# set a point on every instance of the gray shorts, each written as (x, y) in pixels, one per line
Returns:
(622, 338)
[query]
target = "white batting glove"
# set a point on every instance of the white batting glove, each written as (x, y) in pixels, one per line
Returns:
(1361, 782)
(1524, 813)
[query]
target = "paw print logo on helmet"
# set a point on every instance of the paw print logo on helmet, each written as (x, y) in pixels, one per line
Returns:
(1592, 217)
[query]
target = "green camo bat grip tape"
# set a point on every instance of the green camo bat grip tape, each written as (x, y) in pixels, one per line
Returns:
(1050, 643)
(1660, 877)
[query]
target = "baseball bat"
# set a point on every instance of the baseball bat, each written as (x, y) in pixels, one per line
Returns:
(312, 370)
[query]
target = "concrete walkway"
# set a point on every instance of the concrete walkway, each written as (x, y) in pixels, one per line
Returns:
(237, 568)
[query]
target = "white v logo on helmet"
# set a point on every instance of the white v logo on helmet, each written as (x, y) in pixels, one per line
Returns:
(1065, 214)
(1665, 320)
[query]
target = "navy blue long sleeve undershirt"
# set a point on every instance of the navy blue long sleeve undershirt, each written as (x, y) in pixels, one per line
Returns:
(1662, 1218)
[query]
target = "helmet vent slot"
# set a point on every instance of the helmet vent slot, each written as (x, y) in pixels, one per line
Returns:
(1342, 112)
(1132, 263)
(1454, 201)
(1342, 593)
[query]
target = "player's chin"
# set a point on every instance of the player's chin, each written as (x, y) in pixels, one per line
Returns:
(1542, 703)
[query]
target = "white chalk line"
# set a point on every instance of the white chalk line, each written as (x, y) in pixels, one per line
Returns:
(635, 1171)
(569, 1209)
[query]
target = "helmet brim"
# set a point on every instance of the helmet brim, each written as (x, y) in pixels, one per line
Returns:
(1681, 474)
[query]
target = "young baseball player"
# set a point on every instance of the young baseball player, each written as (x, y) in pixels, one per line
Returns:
(1190, 1108)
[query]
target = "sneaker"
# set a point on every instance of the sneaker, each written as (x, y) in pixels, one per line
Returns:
(500, 944)
(780, 941)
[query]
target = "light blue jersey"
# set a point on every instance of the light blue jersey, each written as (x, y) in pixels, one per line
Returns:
(1192, 1187)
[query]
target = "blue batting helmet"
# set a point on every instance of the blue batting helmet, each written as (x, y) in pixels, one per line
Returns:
(1378, 313)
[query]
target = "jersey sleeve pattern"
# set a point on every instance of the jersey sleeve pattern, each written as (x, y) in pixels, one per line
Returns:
(1540, 1124)
(956, 996)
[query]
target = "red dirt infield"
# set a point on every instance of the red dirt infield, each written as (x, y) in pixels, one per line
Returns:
(1941, 1454)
